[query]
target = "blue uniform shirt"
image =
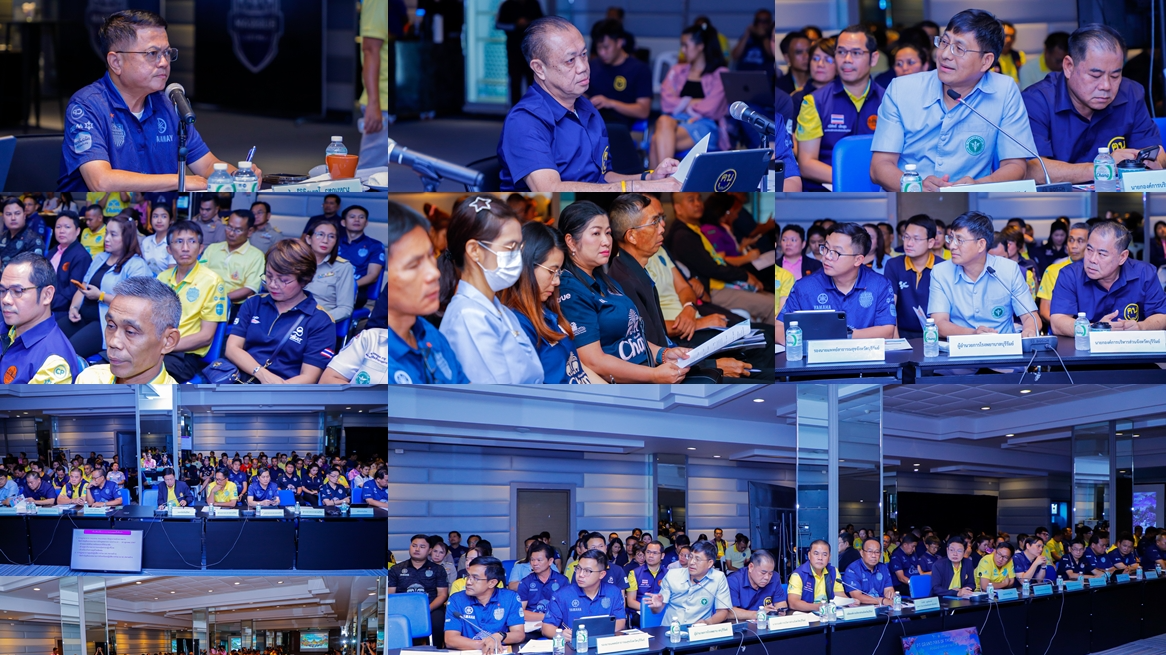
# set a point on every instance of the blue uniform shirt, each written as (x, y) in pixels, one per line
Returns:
(560, 360)
(901, 561)
(239, 478)
(1067, 563)
(1135, 295)
(911, 290)
(263, 327)
(745, 596)
(1128, 560)
(627, 82)
(571, 603)
(1101, 562)
(371, 491)
(432, 362)
(859, 578)
(285, 481)
(488, 339)
(105, 492)
(362, 252)
(539, 133)
(1020, 562)
(328, 492)
(615, 577)
(599, 312)
(30, 352)
(927, 561)
(44, 492)
(537, 594)
(469, 617)
(313, 484)
(100, 127)
(1065, 135)
(914, 122)
(869, 304)
(257, 491)
(646, 583)
(990, 301)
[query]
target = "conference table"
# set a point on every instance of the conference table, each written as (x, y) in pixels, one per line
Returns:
(1065, 365)
(335, 541)
(1071, 623)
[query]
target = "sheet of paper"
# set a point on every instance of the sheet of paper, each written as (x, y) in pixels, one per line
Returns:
(919, 313)
(716, 343)
(699, 149)
(537, 646)
(532, 626)
(897, 344)
(778, 349)
(765, 260)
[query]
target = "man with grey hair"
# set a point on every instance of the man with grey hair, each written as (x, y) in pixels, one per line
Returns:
(554, 139)
(141, 327)
(756, 587)
(1109, 286)
(36, 351)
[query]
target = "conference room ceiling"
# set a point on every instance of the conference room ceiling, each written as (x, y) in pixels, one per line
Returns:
(966, 401)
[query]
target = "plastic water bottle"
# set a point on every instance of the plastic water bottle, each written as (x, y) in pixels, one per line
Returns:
(580, 636)
(560, 644)
(244, 179)
(930, 339)
(674, 631)
(991, 592)
(337, 147)
(220, 180)
(897, 603)
(911, 182)
(1081, 332)
(1061, 585)
(1025, 586)
(297, 508)
(793, 342)
(1104, 171)
(762, 617)
(828, 612)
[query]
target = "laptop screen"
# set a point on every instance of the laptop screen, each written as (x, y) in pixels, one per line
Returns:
(964, 641)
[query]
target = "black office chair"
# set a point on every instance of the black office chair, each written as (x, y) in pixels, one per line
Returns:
(36, 163)
(625, 158)
(491, 169)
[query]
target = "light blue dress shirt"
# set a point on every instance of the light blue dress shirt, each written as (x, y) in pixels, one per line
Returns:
(914, 122)
(133, 267)
(987, 301)
(488, 340)
(9, 490)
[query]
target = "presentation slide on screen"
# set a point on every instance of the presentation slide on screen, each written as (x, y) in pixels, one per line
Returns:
(117, 551)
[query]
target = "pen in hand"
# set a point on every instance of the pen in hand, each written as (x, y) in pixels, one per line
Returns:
(251, 153)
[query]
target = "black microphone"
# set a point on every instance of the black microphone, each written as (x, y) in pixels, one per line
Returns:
(1049, 185)
(177, 95)
(762, 123)
(433, 168)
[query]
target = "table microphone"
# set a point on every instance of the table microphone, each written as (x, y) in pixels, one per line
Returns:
(856, 588)
(1049, 185)
(432, 167)
(177, 95)
(759, 121)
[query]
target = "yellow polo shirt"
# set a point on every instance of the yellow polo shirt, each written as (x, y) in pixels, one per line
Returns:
(227, 494)
(987, 567)
(100, 374)
(1054, 550)
(238, 269)
(203, 299)
(910, 266)
(1048, 282)
(94, 242)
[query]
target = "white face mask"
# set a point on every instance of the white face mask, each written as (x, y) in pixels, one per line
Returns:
(509, 268)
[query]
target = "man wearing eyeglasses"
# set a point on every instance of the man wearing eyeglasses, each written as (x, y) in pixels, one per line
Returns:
(919, 123)
(204, 301)
(910, 274)
(848, 106)
(590, 594)
(697, 594)
(35, 349)
(484, 617)
(975, 292)
(845, 285)
(868, 580)
(121, 132)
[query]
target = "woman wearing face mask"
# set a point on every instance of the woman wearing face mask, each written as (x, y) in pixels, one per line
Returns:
(609, 332)
(484, 257)
(535, 301)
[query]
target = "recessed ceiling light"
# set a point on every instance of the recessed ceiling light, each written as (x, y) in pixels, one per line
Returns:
(138, 582)
(280, 582)
(236, 583)
(916, 464)
(985, 408)
(1026, 391)
(347, 408)
(691, 448)
(1137, 435)
(36, 588)
(716, 456)
(173, 592)
(1010, 435)
(758, 400)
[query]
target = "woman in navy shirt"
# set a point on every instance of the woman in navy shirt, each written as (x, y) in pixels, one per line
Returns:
(311, 486)
(608, 331)
(536, 305)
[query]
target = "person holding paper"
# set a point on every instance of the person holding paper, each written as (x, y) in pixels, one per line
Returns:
(697, 594)
(484, 617)
(996, 569)
(952, 575)
(756, 587)
(1109, 286)
(554, 139)
(919, 123)
(845, 284)
(589, 595)
(978, 293)
(1089, 105)
(868, 580)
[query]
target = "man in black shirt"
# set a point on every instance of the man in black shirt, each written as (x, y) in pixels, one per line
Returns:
(847, 553)
(419, 575)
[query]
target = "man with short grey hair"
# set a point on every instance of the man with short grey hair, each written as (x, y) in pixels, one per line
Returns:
(141, 327)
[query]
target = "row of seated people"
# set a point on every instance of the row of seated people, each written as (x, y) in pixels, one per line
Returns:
(482, 613)
(978, 284)
(282, 305)
(594, 299)
(1082, 106)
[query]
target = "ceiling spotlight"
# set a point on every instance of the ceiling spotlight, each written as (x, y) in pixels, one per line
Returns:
(236, 583)
(758, 400)
(138, 582)
(716, 456)
(173, 592)
(1010, 435)
(1026, 391)
(691, 448)
(1137, 435)
(36, 588)
(985, 408)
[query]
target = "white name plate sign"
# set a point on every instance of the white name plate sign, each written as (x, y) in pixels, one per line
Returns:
(1105, 341)
(832, 351)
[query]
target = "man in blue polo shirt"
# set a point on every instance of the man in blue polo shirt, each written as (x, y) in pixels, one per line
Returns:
(484, 617)
(366, 254)
(588, 595)
(1109, 286)
(845, 284)
(35, 349)
(910, 274)
(554, 139)
(1098, 555)
(121, 132)
(978, 293)
(621, 85)
(376, 491)
(289, 479)
(1124, 558)
(905, 563)
(615, 573)
(102, 492)
(262, 492)
(867, 579)
(38, 490)
(1154, 551)
(537, 588)
(237, 475)
(756, 587)
(919, 123)
(1089, 106)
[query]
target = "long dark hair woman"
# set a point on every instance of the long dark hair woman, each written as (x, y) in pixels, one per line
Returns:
(609, 332)
(535, 301)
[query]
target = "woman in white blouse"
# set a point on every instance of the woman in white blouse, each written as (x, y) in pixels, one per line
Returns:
(154, 249)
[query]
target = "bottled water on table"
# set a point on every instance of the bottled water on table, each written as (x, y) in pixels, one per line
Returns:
(245, 179)
(930, 339)
(220, 180)
(910, 182)
(793, 342)
(581, 639)
(336, 147)
(1104, 171)
(1081, 332)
